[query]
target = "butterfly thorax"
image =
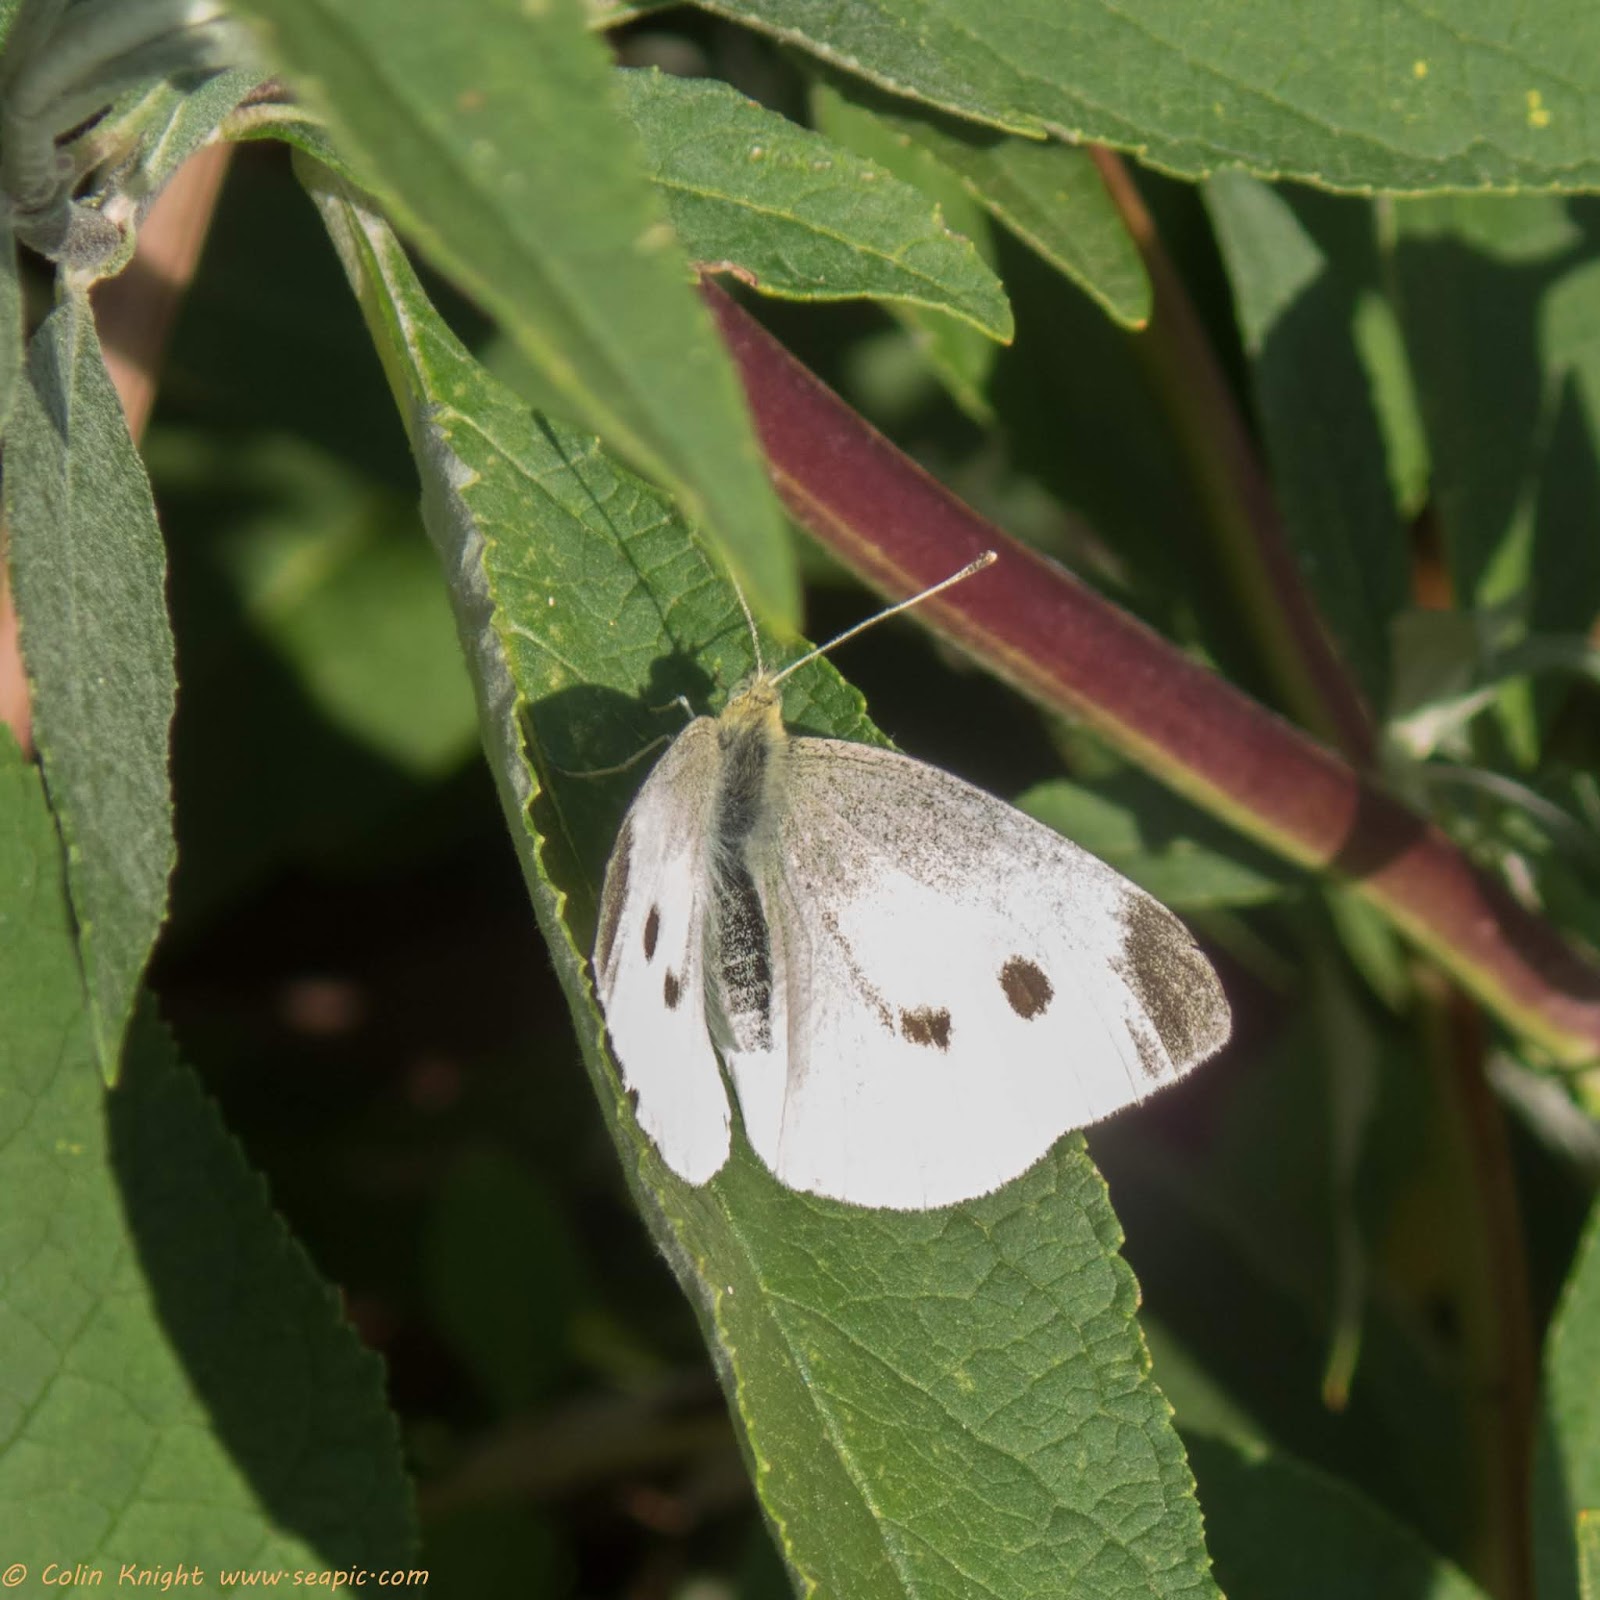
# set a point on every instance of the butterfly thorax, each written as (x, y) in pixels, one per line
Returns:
(750, 741)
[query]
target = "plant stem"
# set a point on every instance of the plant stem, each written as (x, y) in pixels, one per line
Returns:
(1237, 495)
(1068, 648)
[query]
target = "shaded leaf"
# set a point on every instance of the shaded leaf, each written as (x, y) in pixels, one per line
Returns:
(1049, 194)
(1567, 1471)
(89, 571)
(1468, 95)
(172, 1366)
(960, 356)
(1278, 1527)
(794, 213)
(930, 1401)
(1500, 301)
(493, 135)
(1299, 265)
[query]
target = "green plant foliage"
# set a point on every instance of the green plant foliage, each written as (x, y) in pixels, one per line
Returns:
(500, 144)
(1047, 193)
(89, 569)
(784, 206)
(171, 1361)
(1468, 96)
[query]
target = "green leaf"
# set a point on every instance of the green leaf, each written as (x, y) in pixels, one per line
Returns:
(1464, 95)
(1278, 1527)
(493, 134)
(89, 571)
(178, 1384)
(795, 214)
(1500, 304)
(959, 355)
(1567, 1470)
(1049, 194)
(176, 122)
(1300, 265)
(1376, 327)
(934, 1401)
(1154, 837)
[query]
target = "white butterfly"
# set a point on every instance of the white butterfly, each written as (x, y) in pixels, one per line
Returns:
(914, 988)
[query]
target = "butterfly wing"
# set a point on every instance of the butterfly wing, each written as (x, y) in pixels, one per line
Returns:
(960, 986)
(649, 959)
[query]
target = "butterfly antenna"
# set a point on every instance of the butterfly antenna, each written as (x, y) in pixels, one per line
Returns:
(750, 622)
(987, 559)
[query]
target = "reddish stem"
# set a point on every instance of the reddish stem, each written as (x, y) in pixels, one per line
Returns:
(1065, 646)
(1237, 496)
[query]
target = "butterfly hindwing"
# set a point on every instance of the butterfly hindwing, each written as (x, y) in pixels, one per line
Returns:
(649, 959)
(957, 984)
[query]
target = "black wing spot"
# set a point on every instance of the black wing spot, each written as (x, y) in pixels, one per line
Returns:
(1028, 992)
(612, 896)
(926, 1026)
(671, 990)
(1173, 983)
(652, 931)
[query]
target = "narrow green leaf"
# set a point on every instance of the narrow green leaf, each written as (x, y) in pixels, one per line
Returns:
(1299, 265)
(1156, 838)
(960, 356)
(1501, 311)
(181, 120)
(178, 1387)
(1047, 193)
(1567, 1472)
(493, 134)
(1502, 315)
(1278, 1527)
(1383, 353)
(933, 1403)
(89, 573)
(1465, 95)
(794, 213)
